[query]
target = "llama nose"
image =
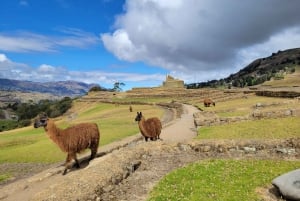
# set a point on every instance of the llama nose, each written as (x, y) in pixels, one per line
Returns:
(35, 125)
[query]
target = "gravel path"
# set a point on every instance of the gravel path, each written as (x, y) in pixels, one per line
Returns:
(183, 128)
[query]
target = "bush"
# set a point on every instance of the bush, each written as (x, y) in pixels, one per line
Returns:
(25, 122)
(27, 111)
(8, 125)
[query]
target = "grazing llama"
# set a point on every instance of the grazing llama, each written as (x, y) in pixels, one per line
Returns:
(207, 102)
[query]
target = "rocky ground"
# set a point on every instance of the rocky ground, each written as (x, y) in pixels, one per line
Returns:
(128, 170)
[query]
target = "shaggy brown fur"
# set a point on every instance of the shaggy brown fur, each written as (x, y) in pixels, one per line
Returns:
(150, 128)
(207, 102)
(72, 139)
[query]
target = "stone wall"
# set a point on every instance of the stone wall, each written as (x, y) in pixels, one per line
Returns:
(283, 94)
(205, 118)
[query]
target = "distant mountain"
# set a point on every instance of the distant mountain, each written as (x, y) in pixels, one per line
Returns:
(259, 71)
(61, 88)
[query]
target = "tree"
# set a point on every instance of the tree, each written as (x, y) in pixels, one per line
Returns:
(118, 85)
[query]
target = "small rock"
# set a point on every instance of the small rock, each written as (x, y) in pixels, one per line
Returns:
(289, 185)
(108, 188)
(184, 147)
(288, 113)
(249, 149)
(258, 105)
(286, 151)
(206, 148)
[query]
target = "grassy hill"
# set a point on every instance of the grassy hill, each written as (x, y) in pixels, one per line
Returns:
(259, 71)
(288, 80)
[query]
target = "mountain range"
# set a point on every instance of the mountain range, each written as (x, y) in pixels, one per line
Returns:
(60, 88)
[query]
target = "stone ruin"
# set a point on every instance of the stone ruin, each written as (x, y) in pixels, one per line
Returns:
(173, 83)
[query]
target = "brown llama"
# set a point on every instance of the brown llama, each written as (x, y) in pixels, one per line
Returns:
(73, 139)
(150, 128)
(207, 102)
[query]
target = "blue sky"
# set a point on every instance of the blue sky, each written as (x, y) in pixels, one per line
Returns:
(139, 42)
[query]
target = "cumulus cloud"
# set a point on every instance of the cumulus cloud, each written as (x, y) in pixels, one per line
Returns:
(210, 38)
(24, 41)
(3, 58)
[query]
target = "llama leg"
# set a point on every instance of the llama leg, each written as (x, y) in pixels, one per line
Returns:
(73, 155)
(68, 159)
(93, 153)
(146, 139)
(94, 149)
(77, 163)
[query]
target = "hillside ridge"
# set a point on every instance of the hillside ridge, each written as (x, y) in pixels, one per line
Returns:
(59, 88)
(275, 66)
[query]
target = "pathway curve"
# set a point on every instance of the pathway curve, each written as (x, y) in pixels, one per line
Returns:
(183, 128)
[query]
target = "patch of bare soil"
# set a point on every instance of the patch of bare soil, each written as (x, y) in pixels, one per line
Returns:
(22, 170)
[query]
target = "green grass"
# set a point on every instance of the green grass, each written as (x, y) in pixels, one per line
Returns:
(143, 99)
(29, 145)
(259, 129)
(4, 177)
(222, 180)
(244, 106)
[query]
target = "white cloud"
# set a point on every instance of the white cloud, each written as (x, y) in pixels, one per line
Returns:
(289, 38)
(3, 58)
(24, 41)
(48, 73)
(202, 37)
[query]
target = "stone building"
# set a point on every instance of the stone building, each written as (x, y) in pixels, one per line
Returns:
(172, 82)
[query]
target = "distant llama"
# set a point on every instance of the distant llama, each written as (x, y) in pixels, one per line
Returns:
(73, 139)
(207, 102)
(150, 128)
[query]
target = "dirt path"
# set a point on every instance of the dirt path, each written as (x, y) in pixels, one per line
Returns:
(183, 128)
(178, 130)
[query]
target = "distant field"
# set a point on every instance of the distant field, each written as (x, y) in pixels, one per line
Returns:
(260, 129)
(244, 106)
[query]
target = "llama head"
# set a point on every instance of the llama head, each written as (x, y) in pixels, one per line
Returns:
(41, 120)
(138, 116)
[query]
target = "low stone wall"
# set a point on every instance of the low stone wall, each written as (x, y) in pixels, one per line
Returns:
(283, 94)
(204, 118)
